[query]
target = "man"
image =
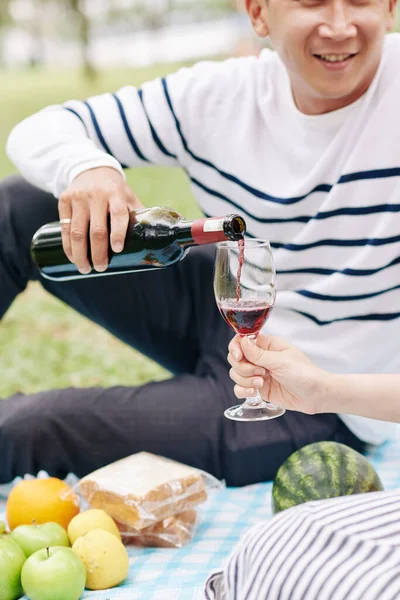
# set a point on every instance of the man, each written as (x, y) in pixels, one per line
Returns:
(305, 144)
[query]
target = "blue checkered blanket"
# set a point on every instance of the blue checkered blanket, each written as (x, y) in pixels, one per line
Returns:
(159, 574)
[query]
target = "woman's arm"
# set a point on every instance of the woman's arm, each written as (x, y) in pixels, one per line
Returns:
(286, 377)
(374, 396)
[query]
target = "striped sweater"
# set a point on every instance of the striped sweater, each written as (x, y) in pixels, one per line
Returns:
(324, 189)
(340, 549)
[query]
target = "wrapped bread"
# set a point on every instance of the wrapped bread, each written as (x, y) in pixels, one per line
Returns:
(142, 489)
(173, 532)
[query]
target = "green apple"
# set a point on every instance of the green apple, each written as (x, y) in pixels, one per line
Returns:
(11, 560)
(32, 538)
(55, 572)
(2, 527)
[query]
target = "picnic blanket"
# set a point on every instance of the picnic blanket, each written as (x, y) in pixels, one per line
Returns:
(163, 574)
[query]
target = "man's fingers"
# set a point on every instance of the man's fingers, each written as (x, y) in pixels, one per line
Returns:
(119, 214)
(65, 212)
(79, 238)
(133, 201)
(99, 237)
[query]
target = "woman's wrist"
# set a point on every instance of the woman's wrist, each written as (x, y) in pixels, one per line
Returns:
(342, 393)
(330, 393)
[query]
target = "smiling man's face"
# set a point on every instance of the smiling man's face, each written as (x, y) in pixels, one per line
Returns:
(331, 48)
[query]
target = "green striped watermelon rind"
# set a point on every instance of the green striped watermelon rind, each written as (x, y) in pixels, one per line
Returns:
(322, 470)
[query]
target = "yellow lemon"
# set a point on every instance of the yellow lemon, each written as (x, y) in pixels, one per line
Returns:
(105, 558)
(91, 519)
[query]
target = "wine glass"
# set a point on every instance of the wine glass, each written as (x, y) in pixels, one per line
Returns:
(245, 290)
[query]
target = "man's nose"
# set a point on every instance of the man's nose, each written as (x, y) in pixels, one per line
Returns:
(337, 21)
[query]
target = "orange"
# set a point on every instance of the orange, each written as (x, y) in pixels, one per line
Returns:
(43, 501)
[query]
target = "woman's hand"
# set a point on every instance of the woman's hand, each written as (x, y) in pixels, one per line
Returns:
(84, 208)
(282, 373)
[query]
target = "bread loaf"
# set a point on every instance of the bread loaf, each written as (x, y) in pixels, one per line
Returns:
(142, 489)
(173, 532)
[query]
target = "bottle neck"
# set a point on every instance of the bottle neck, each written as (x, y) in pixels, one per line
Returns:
(208, 231)
(184, 233)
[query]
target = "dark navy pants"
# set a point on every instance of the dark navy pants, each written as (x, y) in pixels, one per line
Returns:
(171, 316)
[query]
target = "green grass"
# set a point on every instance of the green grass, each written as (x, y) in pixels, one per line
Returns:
(43, 343)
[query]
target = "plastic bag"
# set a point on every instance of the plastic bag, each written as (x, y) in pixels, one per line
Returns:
(173, 532)
(144, 489)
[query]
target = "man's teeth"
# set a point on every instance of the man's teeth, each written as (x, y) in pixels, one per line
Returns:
(334, 57)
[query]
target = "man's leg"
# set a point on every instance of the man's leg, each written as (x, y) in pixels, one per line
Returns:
(171, 316)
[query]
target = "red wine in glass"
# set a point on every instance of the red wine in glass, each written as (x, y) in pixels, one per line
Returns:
(245, 290)
(241, 245)
(245, 317)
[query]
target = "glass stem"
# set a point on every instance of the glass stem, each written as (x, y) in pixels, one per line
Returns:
(256, 401)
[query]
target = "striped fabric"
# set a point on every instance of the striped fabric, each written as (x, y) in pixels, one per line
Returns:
(345, 548)
(323, 189)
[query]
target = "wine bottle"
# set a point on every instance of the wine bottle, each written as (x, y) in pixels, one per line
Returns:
(156, 238)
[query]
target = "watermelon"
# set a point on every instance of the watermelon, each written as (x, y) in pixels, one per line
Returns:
(322, 470)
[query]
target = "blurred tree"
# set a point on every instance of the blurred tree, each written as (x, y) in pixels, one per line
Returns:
(82, 21)
(4, 11)
(4, 19)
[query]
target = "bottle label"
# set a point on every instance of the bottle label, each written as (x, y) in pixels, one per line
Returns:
(208, 231)
(213, 225)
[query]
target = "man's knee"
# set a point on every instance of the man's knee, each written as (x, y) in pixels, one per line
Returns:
(18, 198)
(18, 432)
(28, 438)
(23, 209)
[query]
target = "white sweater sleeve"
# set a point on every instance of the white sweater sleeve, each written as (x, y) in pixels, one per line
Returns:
(51, 148)
(133, 127)
(158, 124)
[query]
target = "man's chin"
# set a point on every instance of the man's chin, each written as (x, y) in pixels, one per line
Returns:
(336, 96)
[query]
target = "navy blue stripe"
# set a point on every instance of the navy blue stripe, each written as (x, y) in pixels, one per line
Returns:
(350, 272)
(99, 132)
(356, 211)
(153, 131)
(241, 208)
(323, 187)
(323, 271)
(341, 243)
(128, 130)
(71, 110)
(372, 174)
(315, 296)
(351, 212)
(371, 317)
(362, 210)
(216, 194)
(319, 188)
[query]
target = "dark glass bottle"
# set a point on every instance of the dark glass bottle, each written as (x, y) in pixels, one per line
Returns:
(156, 238)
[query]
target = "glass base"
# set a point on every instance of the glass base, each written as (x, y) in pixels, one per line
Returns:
(262, 412)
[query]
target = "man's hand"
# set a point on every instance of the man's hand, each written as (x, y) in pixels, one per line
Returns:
(86, 204)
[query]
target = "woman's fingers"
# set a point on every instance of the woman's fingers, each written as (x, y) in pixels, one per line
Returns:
(246, 382)
(235, 348)
(241, 392)
(245, 368)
